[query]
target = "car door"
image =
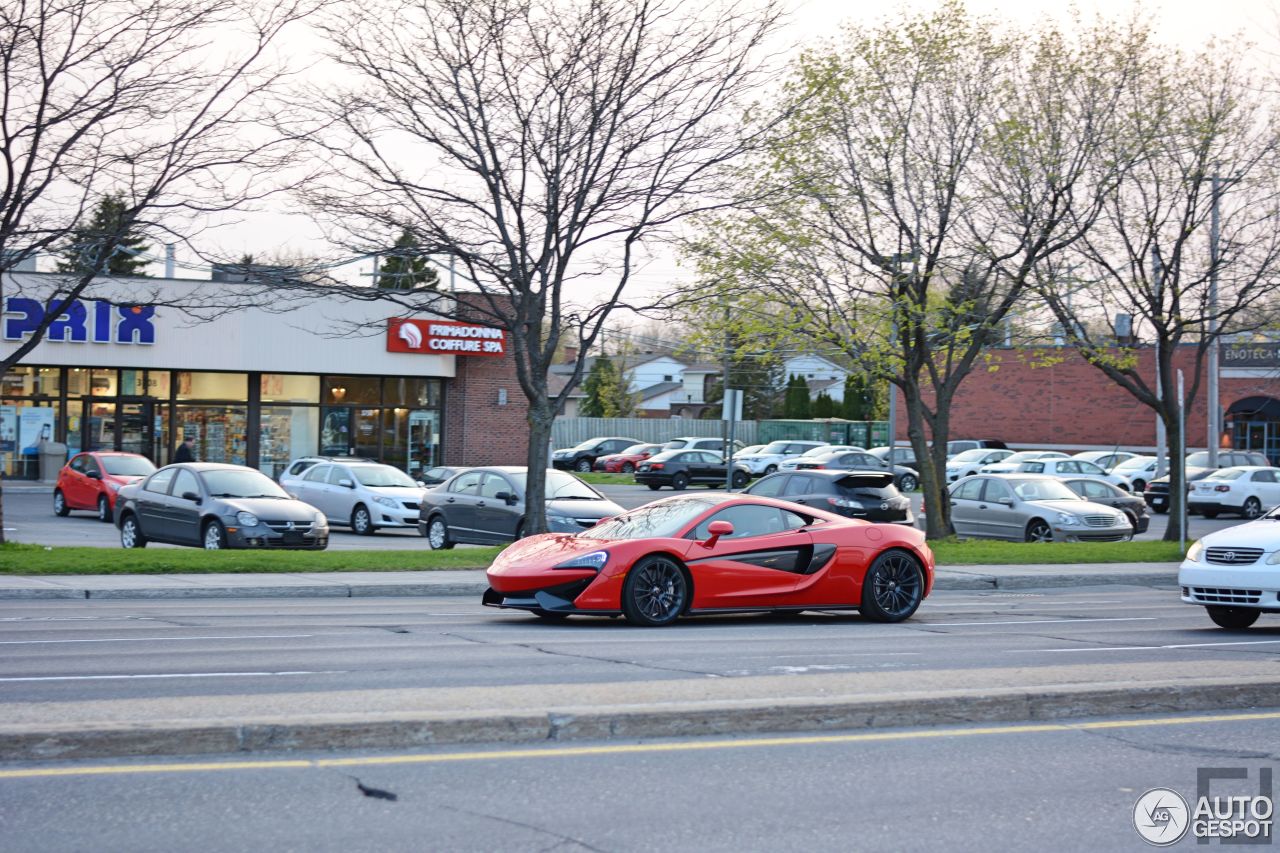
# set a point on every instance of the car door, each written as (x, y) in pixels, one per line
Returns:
(75, 488)
(182, 513)
(339, 494)
(495, 519)
(459, 505)
(310, 487)
(759, 562)
(995, 518)
(152, 504)
(965, 498)
(91, 484)
(713, 468)
(1267, 488)
(798, 490)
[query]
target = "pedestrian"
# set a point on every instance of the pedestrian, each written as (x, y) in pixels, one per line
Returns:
(186, 451)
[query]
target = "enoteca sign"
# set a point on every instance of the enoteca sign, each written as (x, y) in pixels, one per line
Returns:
(1250, 354)
(444, 337)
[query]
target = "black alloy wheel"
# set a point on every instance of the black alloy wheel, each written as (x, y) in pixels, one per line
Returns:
(740, 479)
(679, 481)
(655, 592)
(893, 587)
(1233, 618)
(104, 508)
(1039, 531)
(907, 483)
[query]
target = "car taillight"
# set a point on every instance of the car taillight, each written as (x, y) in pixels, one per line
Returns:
(656, 466)
(1222, 488)
(842, 502)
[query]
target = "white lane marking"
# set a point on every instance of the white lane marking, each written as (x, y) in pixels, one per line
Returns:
(1046, 621)
(153, 639)
(1147, 648)
(172, 675)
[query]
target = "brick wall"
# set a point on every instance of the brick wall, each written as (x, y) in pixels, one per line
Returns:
(478, 431)
(1018, 398)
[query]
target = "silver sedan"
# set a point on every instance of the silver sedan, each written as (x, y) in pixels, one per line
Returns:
(363, 495)
(1031, 508)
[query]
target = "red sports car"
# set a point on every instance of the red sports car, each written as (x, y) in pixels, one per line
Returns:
(713, 554)
(625, 462)
(91, 481)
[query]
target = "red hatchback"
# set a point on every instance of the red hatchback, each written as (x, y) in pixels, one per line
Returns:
(626, 461)
(91, 481)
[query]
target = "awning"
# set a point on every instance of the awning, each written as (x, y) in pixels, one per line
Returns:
(1255, 409)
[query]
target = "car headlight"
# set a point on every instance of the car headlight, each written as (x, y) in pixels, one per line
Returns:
(1066, 519)
(1273, 560)
(115, 487)
(246, 519)
(595, 560)
(561, 521)
(1197, 548)
(319, 520)
(385, 501)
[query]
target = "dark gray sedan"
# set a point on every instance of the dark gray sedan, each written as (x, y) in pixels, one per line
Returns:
(485, 506)
(216, 506)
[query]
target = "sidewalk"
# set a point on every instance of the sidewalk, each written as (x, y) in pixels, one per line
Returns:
(472, 582)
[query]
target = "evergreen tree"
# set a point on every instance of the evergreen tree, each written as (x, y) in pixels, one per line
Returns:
(797, 404)
(404, 268)
(107, 232)
(824, 406)
(863, 401)
(596, 387)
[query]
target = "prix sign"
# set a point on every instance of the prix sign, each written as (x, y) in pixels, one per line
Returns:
(444, 337)
(81, 321)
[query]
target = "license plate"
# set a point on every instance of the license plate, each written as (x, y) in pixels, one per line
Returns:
(292, 537)
(1157, 501)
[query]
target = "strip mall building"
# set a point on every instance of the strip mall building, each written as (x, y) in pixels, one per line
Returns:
(119, 371)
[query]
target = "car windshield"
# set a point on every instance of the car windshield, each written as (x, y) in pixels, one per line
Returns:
(1134, 463)
(775, 447)
(822, 451)
(563, 487)
(636, 449)
(1042, 490)
(1225, 474)
(1199, 459)
(1023, 456)
(242, 484)
(382, 475)
(973, 455)
(127, 466)
(664, 519)
(589, 443)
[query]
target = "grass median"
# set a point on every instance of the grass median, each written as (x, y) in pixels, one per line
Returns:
(980, 552)
(18, 559)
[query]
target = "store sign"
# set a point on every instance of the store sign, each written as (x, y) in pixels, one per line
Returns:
(81, 321)
(1240, 354)
(444, 337)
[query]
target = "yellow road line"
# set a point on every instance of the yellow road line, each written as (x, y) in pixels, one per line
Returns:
(625, 749)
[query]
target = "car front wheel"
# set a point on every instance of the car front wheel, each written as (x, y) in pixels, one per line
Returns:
(655, 592)
(104, 508)
(907, 483)
(1039, 531)
(60, 507)
(628, 468)
(438, 534)
(215, 537)
(582, 466)
(131, 533)
(740, 479)
(1233, 618)
(361, 521)
(892, 588)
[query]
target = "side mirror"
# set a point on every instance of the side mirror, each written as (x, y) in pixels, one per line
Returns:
(717, 529)
(347, 484)
(506, 497)
(191, 496)
(1005, 502)
(421, 484)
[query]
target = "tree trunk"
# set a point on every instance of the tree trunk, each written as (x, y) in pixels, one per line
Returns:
(1177, 469)
(933, 486)
(2, 536)
(541, 415)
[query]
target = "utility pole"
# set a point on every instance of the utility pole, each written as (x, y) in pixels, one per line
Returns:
(727, 400)
(1182, 463)
(1211, 389)
(1162, 441)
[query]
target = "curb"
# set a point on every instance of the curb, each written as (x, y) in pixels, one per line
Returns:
(317, 733)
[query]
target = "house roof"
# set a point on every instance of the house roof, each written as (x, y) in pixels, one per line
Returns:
(822, 384)
(659, 389)
(622, 362)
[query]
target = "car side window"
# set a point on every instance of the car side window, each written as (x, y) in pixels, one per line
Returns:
(1033, 467)
(748, 520)
(337, 473)
(1264, 477)
(493, 484)
(77, 464)
(800, 486)
(997, 491)
(768, 487)
(160, 480)
(298, 467)
(317, 473)
(468, 483)
(1096, 491)
(433, 474)
(969, 490)
(90, 466)
(185, 482)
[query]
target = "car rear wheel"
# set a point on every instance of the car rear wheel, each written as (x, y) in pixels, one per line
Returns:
(628, 468)
(582, 466)
(361, 521)
(770, 469)
(1139, 486)
(104, 508)
(60, 507)
(1252, 508)
(892, 588)
(1039, 531)
(1233, 618)
(679, 481)
(438, 534)
(907, 483)
(131, 533)
(215, 538)
(655, 592)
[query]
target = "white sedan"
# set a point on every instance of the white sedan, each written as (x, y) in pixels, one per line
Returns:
(1246, 490)
(767, 459)
(1235, 573)
(969, 462)
(1010, 464)
(1054, 467)
(808, 455)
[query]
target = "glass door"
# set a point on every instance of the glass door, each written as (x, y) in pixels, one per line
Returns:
(335, 431)
(137, 429)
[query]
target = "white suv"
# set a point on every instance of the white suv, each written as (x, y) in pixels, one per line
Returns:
(767, 459)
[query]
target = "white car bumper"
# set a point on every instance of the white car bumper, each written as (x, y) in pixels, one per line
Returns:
(1241, 586)
(757, 466)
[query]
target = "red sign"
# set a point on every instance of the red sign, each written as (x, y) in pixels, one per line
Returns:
(444, 337)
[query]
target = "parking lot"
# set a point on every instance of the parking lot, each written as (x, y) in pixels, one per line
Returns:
(28, 517)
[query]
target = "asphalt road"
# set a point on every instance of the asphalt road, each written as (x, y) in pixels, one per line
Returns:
(1061, 787)
(129, 649)
(28, 517)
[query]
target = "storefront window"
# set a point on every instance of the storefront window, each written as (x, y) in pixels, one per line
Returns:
(31, 382)
(24, 426)
(286, 388)
(411, 392)
(133, 383)
(410, 439)
(219, 431)
(213, 386)
(102, 383)
(364, 432)
(351, 389)
(158, 384)
(77, 382)
(286, 432)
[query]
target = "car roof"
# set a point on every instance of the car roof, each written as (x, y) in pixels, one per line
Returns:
(212, 466)
(881, 476)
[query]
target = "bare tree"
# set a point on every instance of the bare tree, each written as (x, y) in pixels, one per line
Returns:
(150, 102)
(540, 145)
(1206, 133)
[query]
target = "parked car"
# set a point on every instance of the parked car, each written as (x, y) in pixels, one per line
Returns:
(680, 469)
(1108, 494)
(92, 480)
(1235, 573)
(362, 495)
(906, 478)
(903, 454)
(486, 506)
(969, 462)
(625, 461)
(1055, 467)
(750, 448)
(437, 475)
(697, 442)
(1247, 491)
(869, 495)
(711, 553)
(582, 457)
(299, 466)
(767, 459)
(1009, 464)
(1031, 508)
(823, 450)
(1139, 470)
(216, 506)
(1197, 468)
(1104, 459)
(960, 445)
